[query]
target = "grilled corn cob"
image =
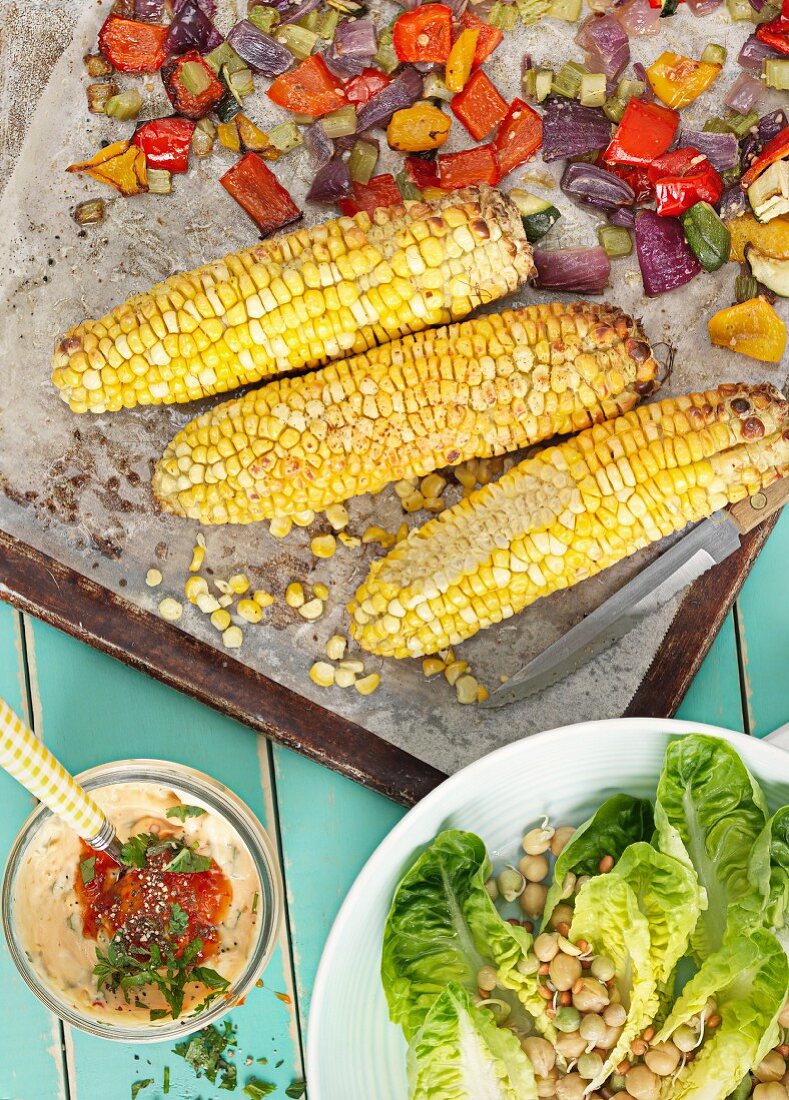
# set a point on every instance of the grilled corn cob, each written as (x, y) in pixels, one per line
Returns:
(479, 388)
(297, 301)
(569, 512)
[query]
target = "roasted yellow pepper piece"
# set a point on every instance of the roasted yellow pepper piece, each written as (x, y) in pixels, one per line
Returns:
(460, 60)
(751, 328)
(418, 128)
(771, 238)
(678, 80)
(121, 165)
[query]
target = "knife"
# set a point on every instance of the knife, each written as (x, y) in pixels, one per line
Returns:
(710, 542)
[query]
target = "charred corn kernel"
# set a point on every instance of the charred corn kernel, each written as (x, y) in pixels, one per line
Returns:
(153, 578)
(433, 485)
(198, 557)
(249, 610)
(344, 678)
(323, 546)
(400, 412)
(405, 488)
(351, 541)
(311, 610)
(466, 689)
(225, 600)
(337, 515)
(221, 619)
(171, 609)
(194, 587)
(454, 671)
(321, 591)
(280, 526)
(431, 666)
(294, 595)
(297, 300)
(568, 512)
(322, 674)
(368, 684)
(460, 60)
(232, 637)
(208, 603)
(335, 647)
(303, 519)
(263, 598)
(417, 129)
(352, 665)
(239, 583)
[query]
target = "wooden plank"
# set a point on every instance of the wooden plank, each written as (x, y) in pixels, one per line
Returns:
(91, 708)
(714, 695)
(764, 635)
(27, 1026)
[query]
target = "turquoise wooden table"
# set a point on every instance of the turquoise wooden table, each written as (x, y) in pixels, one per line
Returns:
(89, 708)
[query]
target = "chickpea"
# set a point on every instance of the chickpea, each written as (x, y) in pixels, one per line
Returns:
(540, 1053)
(783, 1019)
(486, 979)
(510, 883)
(685, 1038)
(617, 1082)
(615, 1015)
(570, 1087)
(602, 968)
(534, 868)
(529, 965)
(564, 971)
(589, 1065)
(560, 838)
(770, 1090)
(593, 1028)
(592, 996)
(642, 1083)
(570, 1045)
(662, 1058)
(492, 888)
(546, 1086)
(568, 885)
(546, 947)
(771, 1068)
(532, 900)
(567, 1019)
(562, 914)
(538, 841)
(610, 1039)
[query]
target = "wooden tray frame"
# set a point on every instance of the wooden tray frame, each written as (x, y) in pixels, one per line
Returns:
(44, 587)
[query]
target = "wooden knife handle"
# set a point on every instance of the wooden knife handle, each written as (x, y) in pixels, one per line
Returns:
(750, 512)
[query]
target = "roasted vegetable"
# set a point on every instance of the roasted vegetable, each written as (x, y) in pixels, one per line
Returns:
(121, 165)
(310, 89)
(402, 410)
(772, 273)
(569, 512)
(461, 59)
(480, 106)
(132, 46)
(645, 132)
(297, 301)
(469, 166)
(424, 34)
(191, 85)
(417, 129)
(518, 137)
(752, 328)
(678, 80)
(771, 238)
(258, 191)
(379, 191)
(166, 143)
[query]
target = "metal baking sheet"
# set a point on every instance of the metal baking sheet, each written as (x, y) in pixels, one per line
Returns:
(77, 488)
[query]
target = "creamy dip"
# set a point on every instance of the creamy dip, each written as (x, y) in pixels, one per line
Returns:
(48, 911)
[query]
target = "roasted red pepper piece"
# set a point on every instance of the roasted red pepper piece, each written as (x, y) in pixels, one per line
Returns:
(480, 106)
(636, 175)
(681, 179)
(255, 188)
(424, 34)
(776, 33)
(776, 149)
(310, 89)
(518, 137)
(469, 166)
(645, 132)
(422, 171)
(131, 46)
(191, 104)
(379, 191)
(361, 89)
(489, 39)
(166, 143)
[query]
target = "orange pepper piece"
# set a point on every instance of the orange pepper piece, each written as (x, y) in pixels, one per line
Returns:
(678, 80)
(461, 59)
(417, 129)
(121, 165)
(771, 238)
(751, 328)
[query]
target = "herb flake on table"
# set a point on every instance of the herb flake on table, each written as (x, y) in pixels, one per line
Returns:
(138, 1086)
(205, 1054)
(184, 811)
(296, 1090)
(257, 1089)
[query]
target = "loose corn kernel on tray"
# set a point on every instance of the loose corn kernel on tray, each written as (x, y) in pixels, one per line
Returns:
(78, 488)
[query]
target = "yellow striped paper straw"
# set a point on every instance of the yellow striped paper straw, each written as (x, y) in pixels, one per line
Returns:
(33, 765)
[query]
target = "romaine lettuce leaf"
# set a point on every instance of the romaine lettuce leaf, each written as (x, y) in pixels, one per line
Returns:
(620, 821)
(460, 1054)
(772, 850)
(443, 927)
(710, 813)
(748, 978)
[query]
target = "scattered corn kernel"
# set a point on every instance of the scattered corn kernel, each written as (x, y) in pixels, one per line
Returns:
(221, 619)
(223, 586)
(311, 610)
(482, 693)
(171, 609)
(368, 684)
(249, 610)
(466, 474)
(432, 665)
(153, 578)
(322, 674)
(455, 670)
(225, 600)
(198, 556)
(413, 503)
(350, 541)
(405, 488)
(466, 688)
(200, 540)
(402, 532)
(337, 515)
(265, 599)
(434, 504)
(353, 665)
(194, 587)
(320, 590)
(239, 583)
(335, 647)
(208, 603)
(323, 546)
(344, 678)
(280, 526)
(447, 655)
(294, 594)
(377, 534)
(303, 519)
(433, 485)
(232, 637)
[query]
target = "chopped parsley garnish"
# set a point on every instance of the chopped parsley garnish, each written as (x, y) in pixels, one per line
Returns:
(138, 1086)
(138, 850)
(187, 860)
(179, 920)
(257, 1089)
(296, 1090)
(87, 870)
(205, 1054)
(182, 812)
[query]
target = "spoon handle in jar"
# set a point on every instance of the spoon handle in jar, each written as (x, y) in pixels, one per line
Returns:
(29, 761)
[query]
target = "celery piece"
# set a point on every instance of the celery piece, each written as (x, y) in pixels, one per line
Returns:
(776, 73)
(124, 106)
(616, 241)
(745, 288)
(740, 11)
(385, 57)
(739, 125)
(531, 11)
(194, 77)
(408, 189)
(327, 24)
(628, 89)
(362, 161)
(240, 83)
(265, 19)
(714, 54)
(568, 10)
(503, 16)
(340, 123)
(225, 57)
(567, 82)
(592, 89)
(298, 40)
(285, 137)
(614, 109)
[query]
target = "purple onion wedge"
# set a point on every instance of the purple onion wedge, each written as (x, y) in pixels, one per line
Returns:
(260, 51)
(664, 255)
(595, 188)
(570, 130)
(404, 90)
(583, 270)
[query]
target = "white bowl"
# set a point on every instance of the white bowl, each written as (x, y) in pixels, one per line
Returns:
(353, 1051)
